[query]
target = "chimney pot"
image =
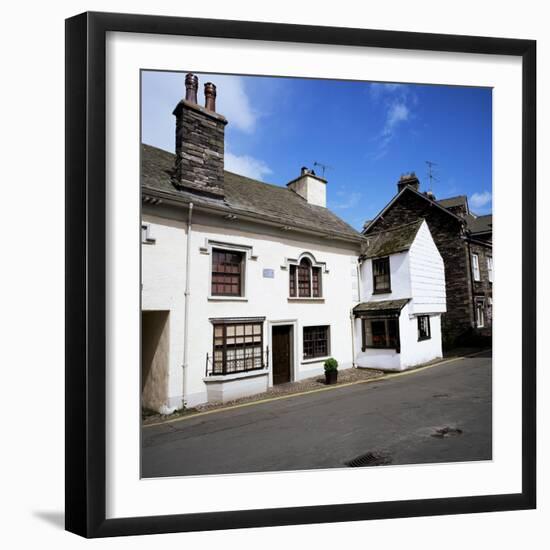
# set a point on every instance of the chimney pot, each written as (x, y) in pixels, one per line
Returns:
(210, 96)
(199, 159)
(191, 87)
(408, 180)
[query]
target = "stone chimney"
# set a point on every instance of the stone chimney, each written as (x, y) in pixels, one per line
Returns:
(409, 180)
(200, 133)
(310, 187)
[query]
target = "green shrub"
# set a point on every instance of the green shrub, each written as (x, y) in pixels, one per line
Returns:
(331, 364)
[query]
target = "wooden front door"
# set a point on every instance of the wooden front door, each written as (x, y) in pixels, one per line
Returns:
(282, 351)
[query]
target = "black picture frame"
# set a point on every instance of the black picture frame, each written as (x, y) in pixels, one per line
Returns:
(86, 284)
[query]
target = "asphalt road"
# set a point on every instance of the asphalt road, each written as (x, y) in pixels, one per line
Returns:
(394, 418)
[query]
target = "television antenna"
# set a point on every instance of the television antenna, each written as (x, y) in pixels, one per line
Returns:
(431, 176)
(324, 167)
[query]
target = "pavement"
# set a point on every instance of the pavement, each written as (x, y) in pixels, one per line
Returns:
(397, 420)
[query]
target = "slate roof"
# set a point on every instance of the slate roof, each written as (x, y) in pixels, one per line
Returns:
(381, 306)
(475, 224)
(247, 197)
(390, 241)
(480, 224)
(459, 200)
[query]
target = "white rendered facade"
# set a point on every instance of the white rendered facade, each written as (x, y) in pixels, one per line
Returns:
(268, 252)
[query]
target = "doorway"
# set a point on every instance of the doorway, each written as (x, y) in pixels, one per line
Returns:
(154, 359)
(281, 343)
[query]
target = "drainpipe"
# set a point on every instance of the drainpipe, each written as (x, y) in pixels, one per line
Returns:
(472, 286)
(352, 317)
(352, 338)
(187, 299)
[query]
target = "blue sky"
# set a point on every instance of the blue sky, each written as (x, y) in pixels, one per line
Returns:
(368, 133)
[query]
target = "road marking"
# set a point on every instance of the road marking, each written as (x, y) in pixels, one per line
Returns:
(387, 376)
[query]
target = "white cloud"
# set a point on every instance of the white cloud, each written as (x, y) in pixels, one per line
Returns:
(396, 101)
(479, 200)
(349, 200)
(246, 166)
(398, 112)
(232, 100)
(378, 89)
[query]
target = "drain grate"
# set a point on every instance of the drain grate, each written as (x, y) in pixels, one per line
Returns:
(447, 432)
(369, 459)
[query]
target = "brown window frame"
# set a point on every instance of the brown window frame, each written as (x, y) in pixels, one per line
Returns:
(221, 343)
(386, 320)
(424, 334)
(315, 341)
(378, 262)
(312, 278)
(217, 273)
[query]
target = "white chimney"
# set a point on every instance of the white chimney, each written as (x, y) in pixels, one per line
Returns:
(310, 187)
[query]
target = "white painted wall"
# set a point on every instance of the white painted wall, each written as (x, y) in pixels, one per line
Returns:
(413, 352)
(310, 188)
(400, 279)
(164, 284)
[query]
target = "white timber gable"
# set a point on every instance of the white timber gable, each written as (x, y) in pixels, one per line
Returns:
(427, 274)
(398, 322)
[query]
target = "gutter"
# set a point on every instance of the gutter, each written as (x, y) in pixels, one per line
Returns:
(169, 199)
(187, 295)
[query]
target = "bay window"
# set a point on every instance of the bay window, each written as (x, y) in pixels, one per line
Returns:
(381, 332)
(238, 347)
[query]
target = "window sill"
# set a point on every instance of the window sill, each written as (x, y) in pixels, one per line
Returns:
(235, 375)
(304, 299)
(381, 291)
(314, 360)
(424, 339)
(227, 299)
(365, 348)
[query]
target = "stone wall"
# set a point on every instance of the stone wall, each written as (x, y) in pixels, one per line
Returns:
(199, 149)
(483, 288)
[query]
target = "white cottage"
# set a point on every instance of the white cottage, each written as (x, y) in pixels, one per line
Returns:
(246, 285)
(398, 322)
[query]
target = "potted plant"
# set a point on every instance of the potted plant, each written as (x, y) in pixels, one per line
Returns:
(331, 371)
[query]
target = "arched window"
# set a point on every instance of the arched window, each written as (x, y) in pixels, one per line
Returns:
(305, 280)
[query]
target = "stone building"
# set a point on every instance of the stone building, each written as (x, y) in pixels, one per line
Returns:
(464, 240)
